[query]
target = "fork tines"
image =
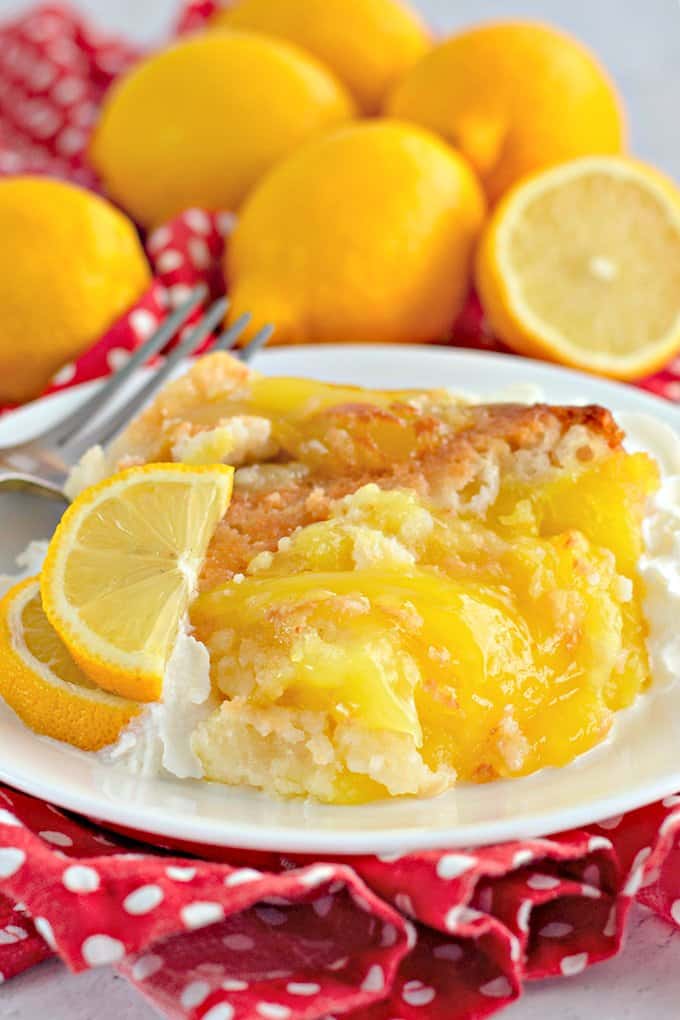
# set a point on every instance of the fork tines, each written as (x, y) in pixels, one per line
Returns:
(68, 435)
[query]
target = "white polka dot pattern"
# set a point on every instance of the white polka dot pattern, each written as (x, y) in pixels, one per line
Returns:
(146, 966)
(272, 1011)
(317, 875)
(242, 876)
(99, 950)
(323, 906)
(169, 260)
(11, 934)
(637, 872)
(238, 942)
(523, 915)
(415, 993)
(498, 988)
(611, 823)
(180, 874)
(194, 994)
(542, 882)
(65, 375)
(200, 914)
(143, 323)
(449, 951)
(403, 902)
(556, 930)
(197, 220)
(56, 838)
(80, 878)
(11, 859)
(454, 865)
(142, 900)
(117, 357)
(199, 252)
(158, 239)
(44, 928)
(222, 1011)
(374, 980)
(599, 843)
(271, 916)
(303, 988)
(571, 965)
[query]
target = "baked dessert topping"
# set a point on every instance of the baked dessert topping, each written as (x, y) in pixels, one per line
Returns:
(407, 590)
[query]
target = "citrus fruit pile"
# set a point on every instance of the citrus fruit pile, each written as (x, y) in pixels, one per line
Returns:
(89, 640)
(469, 170)
(377, 175)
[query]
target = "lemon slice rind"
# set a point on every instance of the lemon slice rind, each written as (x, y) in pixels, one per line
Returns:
(78, 713)
(117, 603)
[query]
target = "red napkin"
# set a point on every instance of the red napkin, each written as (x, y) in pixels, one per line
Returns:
(222, 935)
(437, 934)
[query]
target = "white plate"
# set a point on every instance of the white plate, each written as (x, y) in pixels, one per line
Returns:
(637, 765)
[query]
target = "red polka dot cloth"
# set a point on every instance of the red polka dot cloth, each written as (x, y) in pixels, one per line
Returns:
(229, 935)
(450, 935)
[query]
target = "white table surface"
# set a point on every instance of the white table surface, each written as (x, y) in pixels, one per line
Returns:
(639, 40)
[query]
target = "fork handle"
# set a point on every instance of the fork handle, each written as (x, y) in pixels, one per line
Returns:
(29, 465)
(17, 480)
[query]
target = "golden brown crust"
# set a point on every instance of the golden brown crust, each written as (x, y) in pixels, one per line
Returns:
(520, 423)
(209, 380)
(450, 452)
(447, 460)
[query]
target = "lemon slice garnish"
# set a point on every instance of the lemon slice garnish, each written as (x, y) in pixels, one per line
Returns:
(44, 686)
(581, 265)
(122, 567)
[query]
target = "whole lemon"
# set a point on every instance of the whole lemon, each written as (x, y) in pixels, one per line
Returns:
(70, 264)
(365, 234)
(514, 97)
(369, 44)
(199, 123)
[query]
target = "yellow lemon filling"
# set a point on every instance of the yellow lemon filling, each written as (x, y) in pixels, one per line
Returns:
(405, 590)
(450, 646)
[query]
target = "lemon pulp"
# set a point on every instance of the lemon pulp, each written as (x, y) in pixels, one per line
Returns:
(122, 566)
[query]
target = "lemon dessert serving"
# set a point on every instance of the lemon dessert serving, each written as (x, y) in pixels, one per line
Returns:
(405, 589)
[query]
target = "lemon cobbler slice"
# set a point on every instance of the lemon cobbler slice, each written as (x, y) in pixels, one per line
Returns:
(407, 589)
(104, 627)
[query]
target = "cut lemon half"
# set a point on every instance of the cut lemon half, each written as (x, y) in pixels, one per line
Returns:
(122, 567)
(581, 265)
(44, 686)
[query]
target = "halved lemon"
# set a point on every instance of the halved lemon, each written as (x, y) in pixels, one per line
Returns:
(44, 686)
(122, 567)
(580, 264)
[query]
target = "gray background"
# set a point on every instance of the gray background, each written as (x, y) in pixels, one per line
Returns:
(639, 41)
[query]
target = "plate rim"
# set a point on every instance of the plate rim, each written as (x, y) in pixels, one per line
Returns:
(250, 836)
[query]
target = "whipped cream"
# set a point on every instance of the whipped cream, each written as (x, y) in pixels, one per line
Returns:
(660, 563)
(29, 561)
(159, 740)
(660, 569)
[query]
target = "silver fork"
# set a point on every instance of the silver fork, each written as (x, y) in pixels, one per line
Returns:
(42, 463)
